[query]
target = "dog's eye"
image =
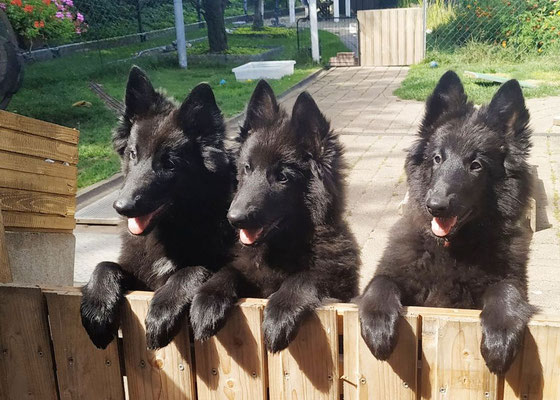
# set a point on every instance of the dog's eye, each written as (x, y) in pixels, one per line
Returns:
(132, 155)
(282, 177)
(247, 168)
(167, 162)
(475, 166)
(437, 159)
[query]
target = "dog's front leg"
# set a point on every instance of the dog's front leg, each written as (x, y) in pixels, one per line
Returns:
(379, 310)
(504, 316)
(213, 301)
(287, 308)
(170, 304)
(102, 297)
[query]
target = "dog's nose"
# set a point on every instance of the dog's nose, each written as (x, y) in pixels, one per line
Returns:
(236, 216)
(437, 205)
(124, 206)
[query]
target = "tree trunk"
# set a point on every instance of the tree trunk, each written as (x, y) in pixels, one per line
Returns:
(258, 22)
(214, 16)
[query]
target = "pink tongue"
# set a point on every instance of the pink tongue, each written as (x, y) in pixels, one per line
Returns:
(137, 225)
(249, 236)
(442, 226)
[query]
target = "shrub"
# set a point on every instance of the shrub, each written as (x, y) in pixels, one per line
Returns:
(47, 20)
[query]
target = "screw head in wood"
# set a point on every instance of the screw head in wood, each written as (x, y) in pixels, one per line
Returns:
(108, 363)
(181, 367)
(405, 385)
(442, 390)
(363, 381)
(214, 371)
(142, 364)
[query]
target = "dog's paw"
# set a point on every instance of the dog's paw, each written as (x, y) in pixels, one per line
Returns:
(500, 344)
(163, 322)
(101, 321)
(208, 313)
(379, 331)
(280, 326)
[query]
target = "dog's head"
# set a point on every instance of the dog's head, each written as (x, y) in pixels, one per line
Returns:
(166, 150)
(289, 169)
(469, 165)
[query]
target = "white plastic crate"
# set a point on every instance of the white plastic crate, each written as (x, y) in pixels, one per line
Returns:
(264, 70)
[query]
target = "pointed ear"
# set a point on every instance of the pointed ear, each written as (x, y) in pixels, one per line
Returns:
(262, 108)
(309, 124)
(199, 114)
(507, 112)
(448, 96)
(140, 94)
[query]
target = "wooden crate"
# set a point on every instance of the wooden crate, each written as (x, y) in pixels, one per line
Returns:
(392, 36)
(46, 354)
(38, 174)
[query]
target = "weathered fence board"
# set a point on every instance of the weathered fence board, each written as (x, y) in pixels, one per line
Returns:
(162, 374)
(26, 364)
(391, 36)
(232, 365)
(293, 374)
(534, 373)
(365, 377)
(39, 175)
(5, 268)
(39, 128)
(327, 359)
(84, 372)
(452, 366)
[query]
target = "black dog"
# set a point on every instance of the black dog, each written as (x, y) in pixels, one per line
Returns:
(296, 249)
(461, 243)
(178, 185)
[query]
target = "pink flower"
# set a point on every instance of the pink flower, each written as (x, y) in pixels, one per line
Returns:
(68, 15)
(69, 3)
(59, 15)
(3, 6)
(78, 31)
(80, 17)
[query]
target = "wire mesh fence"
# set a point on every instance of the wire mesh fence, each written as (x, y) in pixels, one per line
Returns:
(516, 27)
(345, 28)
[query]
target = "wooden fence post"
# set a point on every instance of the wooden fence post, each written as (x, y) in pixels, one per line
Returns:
(5, 270)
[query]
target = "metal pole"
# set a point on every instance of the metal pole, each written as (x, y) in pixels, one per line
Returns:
(292, 7)
(314, 31)
(180, 31)
(276, 17)
(347, 6)
(262, 10)
(245, 7)
(336, 10)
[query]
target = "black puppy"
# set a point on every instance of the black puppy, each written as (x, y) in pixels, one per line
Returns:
(295, 247)
(461, 242)
(177, 188)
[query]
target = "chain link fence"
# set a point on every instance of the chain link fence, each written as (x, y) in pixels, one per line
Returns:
(518, 28)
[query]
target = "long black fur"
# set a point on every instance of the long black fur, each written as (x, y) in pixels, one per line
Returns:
(291, 184)
(174, 160)
(469, 163)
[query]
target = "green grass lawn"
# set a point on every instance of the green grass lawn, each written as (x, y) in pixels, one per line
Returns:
(50, 88)
(421, 79)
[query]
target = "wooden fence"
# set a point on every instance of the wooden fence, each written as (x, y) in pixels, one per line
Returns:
(46, 354)
(391, 37)
(38, 169)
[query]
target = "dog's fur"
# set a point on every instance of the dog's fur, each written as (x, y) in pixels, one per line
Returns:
(177, 168)
(469, 163)
(290, 185)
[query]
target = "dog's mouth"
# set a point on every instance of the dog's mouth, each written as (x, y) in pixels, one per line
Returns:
(141, 224)
(445, 226)
(442, 226)
(254, 236)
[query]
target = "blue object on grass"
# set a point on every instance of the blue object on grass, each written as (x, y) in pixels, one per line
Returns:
(434, 64)
(222, 82)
